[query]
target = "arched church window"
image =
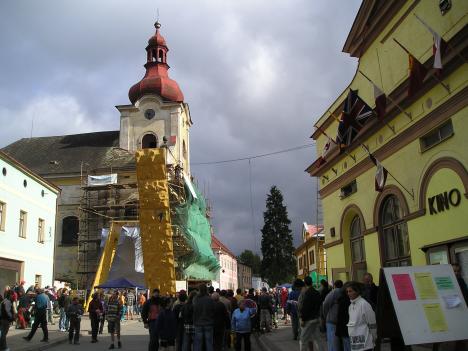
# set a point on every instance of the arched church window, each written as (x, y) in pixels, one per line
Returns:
(149, 141)
(153, 55)
(161, 56)
(70, 229)
(394, 233)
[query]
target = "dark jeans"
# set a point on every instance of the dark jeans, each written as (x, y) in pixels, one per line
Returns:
(295, 325)
(218, 339)
(203, 333)
(4, 327)
(179, 337)
(94, 325)
(154, 337)
(187, 343)
(246, 337)
(101, 322)
(40, 318)
(74, 329)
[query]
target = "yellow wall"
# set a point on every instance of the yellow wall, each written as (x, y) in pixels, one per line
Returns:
(389, 69)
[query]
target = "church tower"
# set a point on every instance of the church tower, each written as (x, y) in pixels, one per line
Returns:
(158, 114)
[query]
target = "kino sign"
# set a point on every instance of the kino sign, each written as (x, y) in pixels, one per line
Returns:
(443, 201)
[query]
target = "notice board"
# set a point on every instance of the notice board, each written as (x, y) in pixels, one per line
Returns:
(428, 303)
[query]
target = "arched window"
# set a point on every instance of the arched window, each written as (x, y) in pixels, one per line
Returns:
(358, 252)
(161, 56)
(70, 229)
(149, 141)
(394, 232)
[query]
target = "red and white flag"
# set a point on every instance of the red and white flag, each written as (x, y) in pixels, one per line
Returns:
(380, 174)
(437, 45)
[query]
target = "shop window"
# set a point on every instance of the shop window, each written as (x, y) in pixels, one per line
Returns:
(436, 136)
(70, 228)
(149, 141)
(438, 255)
(394, 232)
(2, 216)
(23, 224)
(348, 189)
(460, 255)
(40, 230)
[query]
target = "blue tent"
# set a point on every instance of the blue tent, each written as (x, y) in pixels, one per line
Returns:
(120, 283)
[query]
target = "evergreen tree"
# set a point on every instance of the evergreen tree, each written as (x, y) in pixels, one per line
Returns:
(252, 260)
(278, 263)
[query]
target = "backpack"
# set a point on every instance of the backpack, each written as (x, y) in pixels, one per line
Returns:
(3, 311)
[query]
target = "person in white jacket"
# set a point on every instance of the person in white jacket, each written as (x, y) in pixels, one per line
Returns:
(362, 327)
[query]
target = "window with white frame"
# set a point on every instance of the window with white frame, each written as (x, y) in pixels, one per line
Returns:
(23, 224)
(40, 231)
(2, 216)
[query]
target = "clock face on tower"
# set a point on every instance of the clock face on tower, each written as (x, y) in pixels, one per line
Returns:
(149, 113)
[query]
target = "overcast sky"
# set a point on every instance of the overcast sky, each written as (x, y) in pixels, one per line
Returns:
(256, 73)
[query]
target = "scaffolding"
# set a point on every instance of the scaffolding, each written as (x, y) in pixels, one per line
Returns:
(101, 205)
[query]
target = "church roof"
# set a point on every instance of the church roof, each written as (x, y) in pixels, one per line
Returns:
(67, 154)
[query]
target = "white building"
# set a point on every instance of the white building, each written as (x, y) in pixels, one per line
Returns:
(226, 278)
(27, 225)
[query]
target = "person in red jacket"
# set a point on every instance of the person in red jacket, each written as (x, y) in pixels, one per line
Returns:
(284, 302)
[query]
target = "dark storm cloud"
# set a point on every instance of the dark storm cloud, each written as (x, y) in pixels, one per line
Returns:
(256, 74)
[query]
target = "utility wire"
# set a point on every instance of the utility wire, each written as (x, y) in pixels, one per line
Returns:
(254, 156)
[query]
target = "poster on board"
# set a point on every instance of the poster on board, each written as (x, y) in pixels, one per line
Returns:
(428, 303)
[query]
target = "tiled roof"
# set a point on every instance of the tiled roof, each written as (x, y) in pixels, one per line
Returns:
(216, 244)
(66, 154)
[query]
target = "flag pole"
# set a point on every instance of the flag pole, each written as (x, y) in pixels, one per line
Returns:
(457, 52)
(411, 193)
(430, 72)
(389, 98)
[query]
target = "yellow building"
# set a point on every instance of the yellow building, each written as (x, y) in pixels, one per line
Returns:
(310, 255)
(421, 215)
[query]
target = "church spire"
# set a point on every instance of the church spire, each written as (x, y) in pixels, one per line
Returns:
(156, 80)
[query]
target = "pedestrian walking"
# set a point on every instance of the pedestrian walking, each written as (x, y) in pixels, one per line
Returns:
(362, 327)
(113, 314)
(130, 304)
(40, 316)
(241, 325)
(7, 316)
(177, 309)
(291, 306)
(265, 306)
(64, 301)
(74, 313)
(330, 312)
(95, 311)
(141, 302)
(102, 318)
(284, 300)
(221, 322)
(187, 315)
(166, 325)
(203, 319)
(149, 315)
(309, 313)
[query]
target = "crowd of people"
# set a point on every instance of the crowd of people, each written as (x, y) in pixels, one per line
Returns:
(338, 318)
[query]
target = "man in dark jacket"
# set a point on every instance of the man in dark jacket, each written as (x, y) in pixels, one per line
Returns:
(95, 312)
(221, 322)
(7, 316)
(330, 313)
(309, 313)
(203, 319)
(149, 315)
(74, 313)
(370, 291)
(265, 305)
